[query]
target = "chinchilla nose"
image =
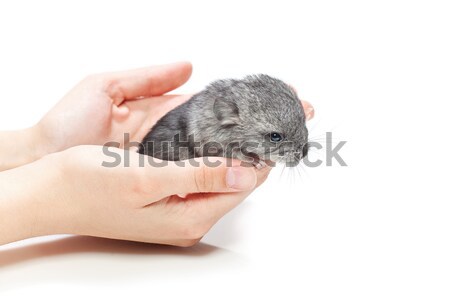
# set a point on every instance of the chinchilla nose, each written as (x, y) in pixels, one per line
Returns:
(293, 159)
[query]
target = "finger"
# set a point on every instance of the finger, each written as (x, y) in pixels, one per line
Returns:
(221, 204)
(159, 105)
(202, 175)
(144, 113)
(213, 206)
(309, 110)
(261, 176)
(307, 107)
(147, 82)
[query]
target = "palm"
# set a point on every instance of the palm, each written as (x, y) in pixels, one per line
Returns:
(103, 107)
(140, 115)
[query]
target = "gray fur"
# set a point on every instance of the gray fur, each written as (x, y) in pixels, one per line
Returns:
(234, 111)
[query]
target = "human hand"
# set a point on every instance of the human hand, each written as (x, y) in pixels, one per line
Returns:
(102, 107)
(71, 192)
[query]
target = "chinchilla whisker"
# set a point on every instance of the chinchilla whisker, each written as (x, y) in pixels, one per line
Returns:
(282, 170)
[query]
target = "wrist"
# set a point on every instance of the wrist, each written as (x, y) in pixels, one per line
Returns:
(26, 201)
(21, 147)
(37, 144)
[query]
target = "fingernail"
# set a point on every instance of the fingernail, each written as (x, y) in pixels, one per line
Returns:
(241, 178)
(309, 113)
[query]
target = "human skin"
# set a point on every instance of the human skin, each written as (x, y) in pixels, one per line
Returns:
(100, 109)
(56, 183)
(70, 192)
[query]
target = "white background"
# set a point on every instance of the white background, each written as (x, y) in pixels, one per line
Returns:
(378, 74)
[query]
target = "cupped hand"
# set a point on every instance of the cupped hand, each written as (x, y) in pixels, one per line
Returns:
(102, 107)
(138, 202)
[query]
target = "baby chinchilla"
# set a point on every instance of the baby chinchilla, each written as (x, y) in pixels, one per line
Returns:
(256, 119)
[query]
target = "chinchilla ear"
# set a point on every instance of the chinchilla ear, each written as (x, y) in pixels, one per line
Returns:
(227, 112)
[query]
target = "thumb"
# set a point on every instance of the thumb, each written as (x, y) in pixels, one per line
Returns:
(204, 176)
(149, 81)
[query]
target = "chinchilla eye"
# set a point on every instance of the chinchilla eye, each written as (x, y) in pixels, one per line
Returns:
(275, 137)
